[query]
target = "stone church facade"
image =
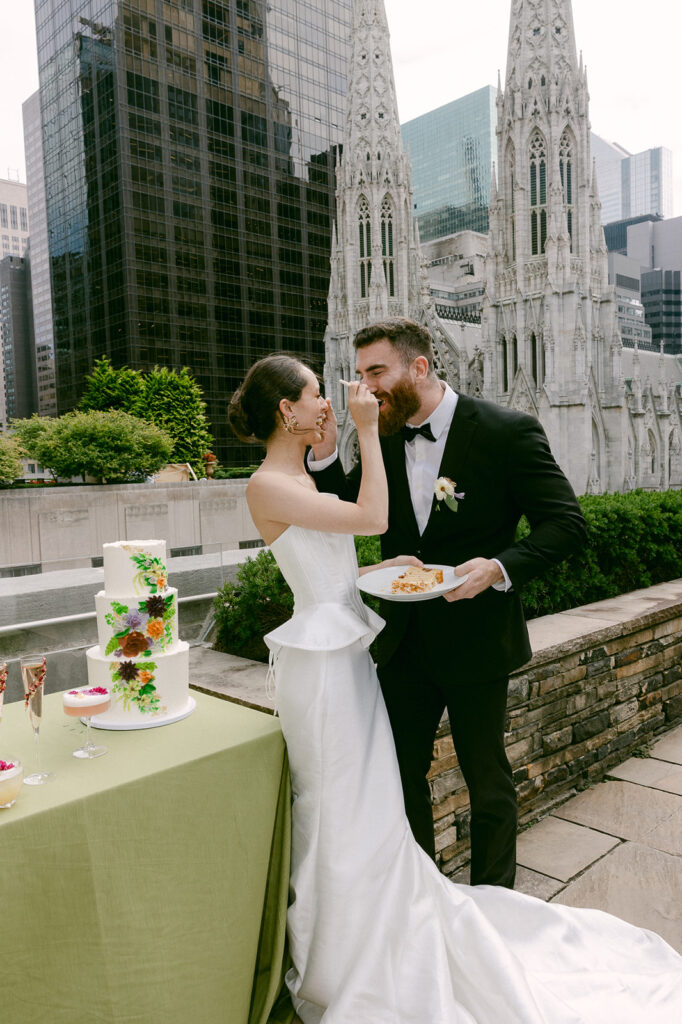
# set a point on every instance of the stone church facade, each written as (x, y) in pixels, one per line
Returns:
(548, 342)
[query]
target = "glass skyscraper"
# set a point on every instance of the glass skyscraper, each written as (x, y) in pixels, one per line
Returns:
(451, 151)
(632, 184)
(189, 171)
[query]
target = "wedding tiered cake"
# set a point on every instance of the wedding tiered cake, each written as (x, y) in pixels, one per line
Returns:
(139, 657)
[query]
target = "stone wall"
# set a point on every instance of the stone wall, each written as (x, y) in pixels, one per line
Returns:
(47, 528)
(587, 700)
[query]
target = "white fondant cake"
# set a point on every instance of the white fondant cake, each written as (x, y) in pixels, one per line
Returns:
(139, 657)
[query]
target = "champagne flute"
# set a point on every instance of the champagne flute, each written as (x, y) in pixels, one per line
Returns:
(3, 684)
(84, 703)
(33, 677)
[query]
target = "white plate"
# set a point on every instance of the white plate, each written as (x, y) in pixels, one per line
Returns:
(378, 583)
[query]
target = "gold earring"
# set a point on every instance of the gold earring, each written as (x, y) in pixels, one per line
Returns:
(291, 424)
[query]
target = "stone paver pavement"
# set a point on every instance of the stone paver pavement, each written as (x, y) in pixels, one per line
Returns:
(618, 846)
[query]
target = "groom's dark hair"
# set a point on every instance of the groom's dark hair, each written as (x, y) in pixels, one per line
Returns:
(407, 337)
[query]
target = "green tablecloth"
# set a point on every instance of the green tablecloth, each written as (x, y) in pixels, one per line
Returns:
(147, 886)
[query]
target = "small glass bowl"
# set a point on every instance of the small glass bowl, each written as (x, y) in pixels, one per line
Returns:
(10, 782)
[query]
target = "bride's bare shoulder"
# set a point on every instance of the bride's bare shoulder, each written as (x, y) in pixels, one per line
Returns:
(266, 478)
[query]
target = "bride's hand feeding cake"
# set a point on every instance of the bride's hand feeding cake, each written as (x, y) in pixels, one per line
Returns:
(139, 657)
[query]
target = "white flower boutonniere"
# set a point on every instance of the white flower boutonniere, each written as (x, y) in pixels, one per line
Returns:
(444, 489)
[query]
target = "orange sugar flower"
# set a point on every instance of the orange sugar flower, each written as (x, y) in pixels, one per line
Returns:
(155, 628)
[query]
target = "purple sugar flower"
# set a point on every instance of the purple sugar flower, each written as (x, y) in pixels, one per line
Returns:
(136, 621)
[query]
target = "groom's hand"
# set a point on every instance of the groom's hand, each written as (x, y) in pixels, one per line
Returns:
(482, 573)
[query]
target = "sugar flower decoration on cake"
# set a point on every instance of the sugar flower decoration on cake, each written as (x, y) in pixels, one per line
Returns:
(134, 684)
(151, 574)
(445, 490)
(143, 629)
(5, 766)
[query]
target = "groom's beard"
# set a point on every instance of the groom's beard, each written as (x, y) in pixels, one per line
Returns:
(399, 405)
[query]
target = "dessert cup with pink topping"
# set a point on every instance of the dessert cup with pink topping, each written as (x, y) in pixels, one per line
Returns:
(11, 777)
(84, 702)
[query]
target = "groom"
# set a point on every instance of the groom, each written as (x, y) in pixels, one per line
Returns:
(456, 652)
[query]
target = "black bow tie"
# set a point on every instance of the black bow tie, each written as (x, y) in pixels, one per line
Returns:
(409, 433)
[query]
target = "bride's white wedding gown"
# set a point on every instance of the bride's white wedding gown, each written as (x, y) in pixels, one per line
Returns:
(377, 934)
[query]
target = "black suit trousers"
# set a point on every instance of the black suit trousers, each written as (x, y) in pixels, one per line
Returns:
(418, 684)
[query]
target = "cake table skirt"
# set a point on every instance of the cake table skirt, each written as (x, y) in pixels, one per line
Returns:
(149, 884)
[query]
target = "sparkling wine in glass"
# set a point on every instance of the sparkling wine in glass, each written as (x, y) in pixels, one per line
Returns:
(85, 702)
(33, 678)
(3, 685)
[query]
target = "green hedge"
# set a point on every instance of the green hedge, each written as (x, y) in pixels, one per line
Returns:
(633, 540)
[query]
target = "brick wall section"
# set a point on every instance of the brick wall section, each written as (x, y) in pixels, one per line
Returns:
(577, 709)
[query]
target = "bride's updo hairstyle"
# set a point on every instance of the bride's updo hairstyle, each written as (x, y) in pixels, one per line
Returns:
(253, 413)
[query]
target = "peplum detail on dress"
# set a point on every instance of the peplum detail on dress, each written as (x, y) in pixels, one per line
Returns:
(326, 627)
(329, 613)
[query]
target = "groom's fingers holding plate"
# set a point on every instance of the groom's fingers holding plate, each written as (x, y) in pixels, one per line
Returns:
(481, 573)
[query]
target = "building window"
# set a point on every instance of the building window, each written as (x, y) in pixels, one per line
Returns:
(566, 171)
(538, 194)
(387, 244)
(14, 221)
(3, 215)
(505, 371)
(365, 228)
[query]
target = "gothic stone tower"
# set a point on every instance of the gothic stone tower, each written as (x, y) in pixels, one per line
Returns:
(551, 342)
(376, 265)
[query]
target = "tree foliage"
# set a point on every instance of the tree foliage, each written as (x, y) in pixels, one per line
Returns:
(110, 446)
(109, 388)
(10, 459)
(170, 399)
(173, 401)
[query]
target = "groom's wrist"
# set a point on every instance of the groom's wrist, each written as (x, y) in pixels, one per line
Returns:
(502, 581)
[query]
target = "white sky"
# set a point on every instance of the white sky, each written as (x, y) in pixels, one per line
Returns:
(453, 47)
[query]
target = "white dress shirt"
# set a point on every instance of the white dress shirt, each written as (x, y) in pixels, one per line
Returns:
(422, 462)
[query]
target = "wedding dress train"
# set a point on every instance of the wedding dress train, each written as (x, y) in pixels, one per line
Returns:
(377, 934)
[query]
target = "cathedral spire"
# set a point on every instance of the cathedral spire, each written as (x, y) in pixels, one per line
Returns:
(372, 122)
(541, 36)
(378, 271)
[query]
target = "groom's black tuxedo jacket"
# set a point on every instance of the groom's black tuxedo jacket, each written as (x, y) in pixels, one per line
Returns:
(502, 462)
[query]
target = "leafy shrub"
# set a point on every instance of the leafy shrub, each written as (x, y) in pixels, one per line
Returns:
(233, 472)
(633, 541)
(259, 600)
(111, 446)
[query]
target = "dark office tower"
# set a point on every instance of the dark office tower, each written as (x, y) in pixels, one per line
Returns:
(189, 166)
(17, 358)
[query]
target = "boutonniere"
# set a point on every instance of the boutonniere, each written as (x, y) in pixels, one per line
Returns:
(444, 490)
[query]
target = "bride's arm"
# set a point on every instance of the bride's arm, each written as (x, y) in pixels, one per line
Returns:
(277, 498)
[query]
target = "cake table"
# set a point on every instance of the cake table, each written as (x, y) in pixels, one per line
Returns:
(149, 884)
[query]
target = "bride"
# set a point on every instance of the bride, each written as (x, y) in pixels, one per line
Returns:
(377, 934)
